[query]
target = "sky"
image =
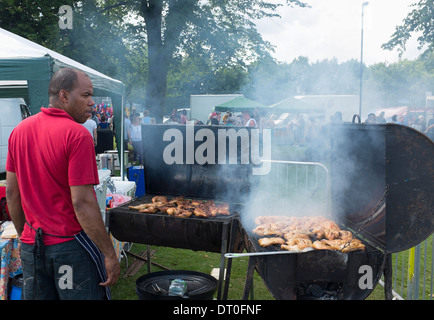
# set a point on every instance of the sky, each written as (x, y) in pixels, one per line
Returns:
(332, 29)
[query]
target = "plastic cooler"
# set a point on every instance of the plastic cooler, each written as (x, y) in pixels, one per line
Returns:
(126, 188)
(137, 174)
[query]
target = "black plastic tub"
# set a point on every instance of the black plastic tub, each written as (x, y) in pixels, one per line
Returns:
(155, 285)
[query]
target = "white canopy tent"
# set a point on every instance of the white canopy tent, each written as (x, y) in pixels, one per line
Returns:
(27, 62)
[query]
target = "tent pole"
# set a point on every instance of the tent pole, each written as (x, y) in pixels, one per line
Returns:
(122, 141)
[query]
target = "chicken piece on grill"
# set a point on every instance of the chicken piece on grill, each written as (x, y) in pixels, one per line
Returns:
(339, 245)
(353, 245)
(149, 209)
(331, 234)
(297, 244)
(288, 247)
(265, 242)
(200, 212)
(297, 234)
(219, 209)
(159, 199)
(267, 230)
(319, 232)
(140, 206)
(172, 211)
(325, 245)
(183, 214)
(345, 235)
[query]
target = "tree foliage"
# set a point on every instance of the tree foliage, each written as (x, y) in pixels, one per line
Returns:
(164, 51)
(419, 20)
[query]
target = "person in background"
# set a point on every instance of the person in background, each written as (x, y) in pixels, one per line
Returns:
(395, 119)
(430, 129)
(371, 118)
(215, 119)
(136, 138)
(103, 124)
(401, 119)
(92, 126)
(127, 131)
(183, 118)
(51, 173)
(380, 118)
(146, 118)
(95, 117)
(419, 124)
(248, 120)
(226, 117)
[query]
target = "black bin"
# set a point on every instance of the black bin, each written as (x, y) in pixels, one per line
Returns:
(155, 285)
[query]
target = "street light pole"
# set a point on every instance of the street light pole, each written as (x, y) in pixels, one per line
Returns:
(364, 4)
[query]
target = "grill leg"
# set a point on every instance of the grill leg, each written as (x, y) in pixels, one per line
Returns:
(222, 260)
(388, 277)
(232, 233)
(248, 287)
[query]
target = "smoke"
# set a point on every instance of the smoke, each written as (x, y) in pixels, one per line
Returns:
(292, 188)
(346, 185)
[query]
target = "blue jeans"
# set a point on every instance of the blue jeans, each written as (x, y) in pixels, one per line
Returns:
(65, 271)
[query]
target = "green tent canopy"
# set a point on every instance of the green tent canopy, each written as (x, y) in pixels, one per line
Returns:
(32, 66)
(294, 105)
(239, 104)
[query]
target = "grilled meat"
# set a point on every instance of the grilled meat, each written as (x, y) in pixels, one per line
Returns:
(265, 242)
(299, 233)
(180, 207)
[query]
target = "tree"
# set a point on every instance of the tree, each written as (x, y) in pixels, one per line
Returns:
(221, 30)
(420, 19)
(99, 38)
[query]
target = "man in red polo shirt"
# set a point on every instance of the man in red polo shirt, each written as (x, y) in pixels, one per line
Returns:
(51, 171)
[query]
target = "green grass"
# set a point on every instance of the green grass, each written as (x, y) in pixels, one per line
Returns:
(183, 259)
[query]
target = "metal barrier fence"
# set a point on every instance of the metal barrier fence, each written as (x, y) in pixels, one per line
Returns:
(299, 182)
(412, 270)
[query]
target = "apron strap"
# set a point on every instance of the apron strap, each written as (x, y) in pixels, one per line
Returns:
(96, 256)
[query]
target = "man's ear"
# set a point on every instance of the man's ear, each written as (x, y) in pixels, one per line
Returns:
(64, 95)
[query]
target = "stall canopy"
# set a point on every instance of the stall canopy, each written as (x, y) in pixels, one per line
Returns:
(239, 104)
(25, 64)
(294, 105)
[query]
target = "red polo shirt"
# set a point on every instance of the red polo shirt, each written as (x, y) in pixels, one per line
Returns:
(49, 152)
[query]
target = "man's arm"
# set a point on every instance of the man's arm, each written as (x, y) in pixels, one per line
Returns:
(89, 216)
(13, 199)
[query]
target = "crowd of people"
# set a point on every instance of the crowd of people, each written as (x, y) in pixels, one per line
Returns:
(102, 114)
(415, 121)
(298, 129)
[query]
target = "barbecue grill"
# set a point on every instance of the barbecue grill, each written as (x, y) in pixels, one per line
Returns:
(227, 183)
(381, 177)
(381, 180)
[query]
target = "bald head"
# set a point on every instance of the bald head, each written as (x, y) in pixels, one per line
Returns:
(64, 79)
